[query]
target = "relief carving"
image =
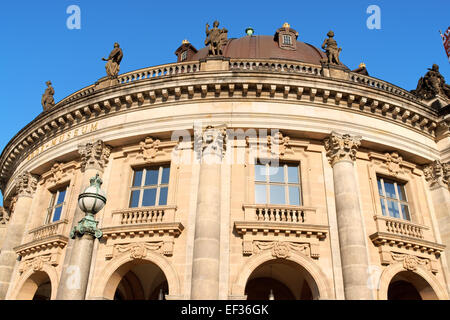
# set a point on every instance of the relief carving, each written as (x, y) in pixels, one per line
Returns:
(279, 249)
(140, 250)
(4, 216)
(411, 262)
(438, 173)
(393, 161)
(26, 184)
(37, 263)
(149, 148)
(210, 141)
(278, 143)
(94, 155)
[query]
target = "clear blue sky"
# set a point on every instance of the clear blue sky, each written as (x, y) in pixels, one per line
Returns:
(37, 46)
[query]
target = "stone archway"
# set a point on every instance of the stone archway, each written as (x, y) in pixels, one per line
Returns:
(36, 285)
(128, 278)
(312, 281)
(398, 283)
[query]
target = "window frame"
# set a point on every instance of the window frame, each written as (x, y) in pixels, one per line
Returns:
(142, 187)
(286, 184)
(183, 56)
(53, 205)
(284, 37)
(398, 202)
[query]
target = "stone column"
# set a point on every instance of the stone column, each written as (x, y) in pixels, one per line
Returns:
(206, 256)
(341, 152)
(438, 176)
(77, 261)
(26, 186)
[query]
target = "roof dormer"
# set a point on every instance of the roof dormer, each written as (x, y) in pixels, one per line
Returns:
(185, 51)
(286, 37)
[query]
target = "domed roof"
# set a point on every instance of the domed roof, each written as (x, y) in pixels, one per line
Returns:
(265, 47)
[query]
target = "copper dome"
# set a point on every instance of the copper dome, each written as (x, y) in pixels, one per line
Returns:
(265, 47)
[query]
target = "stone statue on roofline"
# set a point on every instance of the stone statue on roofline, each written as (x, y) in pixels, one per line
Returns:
(113, 62)
(47, 100)
(216, 38)
(331, 49)
(432, 85)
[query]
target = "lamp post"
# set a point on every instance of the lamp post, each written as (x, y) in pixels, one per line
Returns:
(91, 201)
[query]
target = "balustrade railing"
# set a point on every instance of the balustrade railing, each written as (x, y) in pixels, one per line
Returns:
(400, 227)
(55, 228)
(274, 66)
(144, 215)
(279, 213)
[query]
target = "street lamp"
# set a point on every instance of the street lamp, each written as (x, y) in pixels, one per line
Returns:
(91, 201)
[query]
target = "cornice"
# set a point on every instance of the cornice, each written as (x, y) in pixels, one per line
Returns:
(184, 83)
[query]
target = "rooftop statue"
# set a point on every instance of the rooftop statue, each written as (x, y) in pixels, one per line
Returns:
(431, 85)
(331, 49)
(216, 38)
(47, 100)
(113, 65)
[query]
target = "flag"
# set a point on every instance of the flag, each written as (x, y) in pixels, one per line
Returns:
(446, 42)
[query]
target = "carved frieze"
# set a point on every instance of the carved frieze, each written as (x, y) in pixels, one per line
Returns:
(94, 155)
(437, 173)
(139, 250)
(280, 249)
(341, 147)
(411, 262)
(37, 263)
(26, 184)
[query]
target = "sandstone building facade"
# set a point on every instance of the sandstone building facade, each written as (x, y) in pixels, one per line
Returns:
(264, 170)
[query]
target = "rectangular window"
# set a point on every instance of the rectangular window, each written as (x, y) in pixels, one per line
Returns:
(287, 40)
(183, 55)
(277, 184)
(393, 199)
(150, 187)
(57, 203)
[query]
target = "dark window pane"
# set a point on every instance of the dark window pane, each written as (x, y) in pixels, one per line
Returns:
(393, 209)
(61, 196)
(293, 174)
(276, 174)
(383, 208)
(277, 195)
(151, 178)
(137, 178)
(134, 201)
(163, 196)
(294, 196)
(165, 175)
(260, 194)
(401, 192)
(380, 188)
(149, 198)
(405, 211)
(390, 190)
(57, 214)
(260, 173)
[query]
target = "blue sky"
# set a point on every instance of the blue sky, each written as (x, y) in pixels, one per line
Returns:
(37, 46)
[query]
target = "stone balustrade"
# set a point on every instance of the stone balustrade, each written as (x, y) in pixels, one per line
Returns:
(279, 213)
(400, 227)
(160, 71)
(271, 66)
(381, 85)
(144, 215)
(48, 230)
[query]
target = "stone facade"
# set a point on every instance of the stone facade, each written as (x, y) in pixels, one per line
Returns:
(207, 125)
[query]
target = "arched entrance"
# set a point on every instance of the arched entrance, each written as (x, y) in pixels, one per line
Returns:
(408, 285)
(36, 287)
(139, 280)
(281, 279)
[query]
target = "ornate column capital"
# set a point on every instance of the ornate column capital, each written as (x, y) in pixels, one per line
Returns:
(94, 155)
(437, 173)
(341, 147)
(26, 184)
(210, 141)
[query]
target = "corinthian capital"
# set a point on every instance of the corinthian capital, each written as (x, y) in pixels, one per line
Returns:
(94, 155)
(26, 184)
(211, 141)
(341, 147)
(437, 173)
